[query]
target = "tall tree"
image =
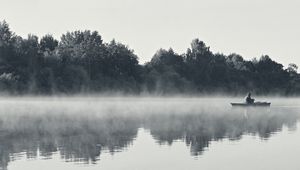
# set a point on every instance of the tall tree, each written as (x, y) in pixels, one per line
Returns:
(166, 72)
(6, 47)
(82, 48)
(120, 63)
(197, 59)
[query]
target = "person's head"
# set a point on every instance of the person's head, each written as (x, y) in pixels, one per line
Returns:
(249, 94)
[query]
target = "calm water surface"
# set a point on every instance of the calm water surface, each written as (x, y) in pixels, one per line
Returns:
(147, 133)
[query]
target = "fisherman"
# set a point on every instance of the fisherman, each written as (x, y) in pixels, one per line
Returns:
(249, 100)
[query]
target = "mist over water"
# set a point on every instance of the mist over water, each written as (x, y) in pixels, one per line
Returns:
(105, 132)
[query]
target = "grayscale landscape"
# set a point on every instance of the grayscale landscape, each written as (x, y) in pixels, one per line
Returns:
(149, 85)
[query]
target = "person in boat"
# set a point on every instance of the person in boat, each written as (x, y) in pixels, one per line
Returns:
(249, 100)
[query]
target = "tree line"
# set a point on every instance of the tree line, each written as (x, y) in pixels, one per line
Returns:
(80, 62)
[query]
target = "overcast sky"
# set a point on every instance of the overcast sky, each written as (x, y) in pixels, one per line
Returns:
(247, 27)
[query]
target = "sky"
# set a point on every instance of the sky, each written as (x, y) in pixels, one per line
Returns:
(250, 28)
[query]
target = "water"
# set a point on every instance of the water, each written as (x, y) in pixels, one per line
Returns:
(147, 133)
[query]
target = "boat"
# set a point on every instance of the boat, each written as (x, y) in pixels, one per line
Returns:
(260, 104)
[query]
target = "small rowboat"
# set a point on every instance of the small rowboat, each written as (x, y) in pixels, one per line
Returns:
(260, 104)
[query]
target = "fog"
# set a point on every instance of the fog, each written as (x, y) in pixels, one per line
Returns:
(81, 128)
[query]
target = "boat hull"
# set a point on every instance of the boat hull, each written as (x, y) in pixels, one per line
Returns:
(257, 104)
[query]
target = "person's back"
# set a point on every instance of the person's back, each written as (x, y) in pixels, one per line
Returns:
(249, 100)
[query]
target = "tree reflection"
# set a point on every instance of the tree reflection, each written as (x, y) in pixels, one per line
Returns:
(83, 138)
(79, 139)
(198, 130)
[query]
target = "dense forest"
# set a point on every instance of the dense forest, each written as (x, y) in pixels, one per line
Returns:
(80, 62)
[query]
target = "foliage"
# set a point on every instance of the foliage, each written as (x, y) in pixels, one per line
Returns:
(80, 62)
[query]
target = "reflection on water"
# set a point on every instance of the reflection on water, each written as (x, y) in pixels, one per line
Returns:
(197, 130)
(80, 130)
